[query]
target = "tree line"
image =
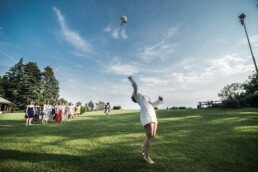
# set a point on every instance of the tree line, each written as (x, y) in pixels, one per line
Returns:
(25, 82)
(244, 94)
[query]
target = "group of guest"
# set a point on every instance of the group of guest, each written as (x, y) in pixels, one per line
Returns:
(57, 112)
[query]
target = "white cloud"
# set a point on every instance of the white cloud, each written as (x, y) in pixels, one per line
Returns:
(172, 31)
(119, 68)
(191, 72)
(107, 29)
(123, 69)
(123, 34)
(79, 66)
(154, 81)
(162, 49)
(229, 65)
(116, 33)
(72, 37)
(254, 40)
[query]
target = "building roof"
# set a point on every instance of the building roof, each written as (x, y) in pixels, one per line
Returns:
(4, 101)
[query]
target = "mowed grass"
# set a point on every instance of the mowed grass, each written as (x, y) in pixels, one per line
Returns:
(186, 140)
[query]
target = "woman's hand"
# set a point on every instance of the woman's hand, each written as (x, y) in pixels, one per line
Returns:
(130, 78)
(160, 98)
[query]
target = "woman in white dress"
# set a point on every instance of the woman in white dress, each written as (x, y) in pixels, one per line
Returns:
(147, 116)
(66, 111)
(70, 112)
(73, 109)
(47, 111)
(63, 111)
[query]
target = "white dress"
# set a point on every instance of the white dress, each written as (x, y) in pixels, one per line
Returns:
(47, 111)
(147, 114)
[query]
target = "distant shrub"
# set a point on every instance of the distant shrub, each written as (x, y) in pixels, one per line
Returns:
(219, 105)
(83, 109)
(18, 111)
(250, 100)
(117, 107)
(182, 107)
(156, 108)
(232, 103)
(174, 107)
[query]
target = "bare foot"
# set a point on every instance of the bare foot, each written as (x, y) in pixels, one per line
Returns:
(149, 160)
(142, 150)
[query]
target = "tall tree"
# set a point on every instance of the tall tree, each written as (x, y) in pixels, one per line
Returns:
(232, 91)
(251, 85)
(50, 85)
(33, 82)
(250, 96)
(62, 100)
(100, 105)
(14, 87)
(1, 86)
(90, 105)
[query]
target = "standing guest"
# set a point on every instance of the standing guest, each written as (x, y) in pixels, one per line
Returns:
(30, 112)
(70, 112)
(38, 112)
(73, 110)
(63, 111)
(78, 110)
(59, 115)
(147, 116)
(66, 111)
(47, 111)
(107, 110)
(53, 112)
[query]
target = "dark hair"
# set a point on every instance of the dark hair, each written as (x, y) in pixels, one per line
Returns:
(107, 103)
(133, 99)
(47, 101)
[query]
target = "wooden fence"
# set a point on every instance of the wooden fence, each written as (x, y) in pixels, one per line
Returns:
(207, 104)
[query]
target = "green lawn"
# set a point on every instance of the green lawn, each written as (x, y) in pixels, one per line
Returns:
(187, 140)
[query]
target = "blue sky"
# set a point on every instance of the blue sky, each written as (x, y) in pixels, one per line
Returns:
(185, 51)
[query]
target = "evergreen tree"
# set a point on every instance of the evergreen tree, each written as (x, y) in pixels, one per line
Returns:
(50, 86)
(33, 82)
(1, 86)
(14, 86)
(5, 86)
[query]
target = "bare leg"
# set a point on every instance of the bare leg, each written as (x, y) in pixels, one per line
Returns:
(150, 130)
(27, 120)
(142, 147)
(30, 121)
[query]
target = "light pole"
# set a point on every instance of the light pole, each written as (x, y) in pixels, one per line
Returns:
(242, 18)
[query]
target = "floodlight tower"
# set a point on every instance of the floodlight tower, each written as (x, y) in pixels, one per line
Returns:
(241, 19)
